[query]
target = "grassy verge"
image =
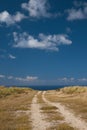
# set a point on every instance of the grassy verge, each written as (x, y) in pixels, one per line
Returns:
(74, 98)
(4, 91)
(15, 108)
(74, 90)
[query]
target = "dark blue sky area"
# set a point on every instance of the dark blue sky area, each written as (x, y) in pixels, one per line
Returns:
(43, 42)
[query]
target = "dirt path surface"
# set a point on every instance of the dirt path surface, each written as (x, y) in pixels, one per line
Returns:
(70, 118)
(38, 119)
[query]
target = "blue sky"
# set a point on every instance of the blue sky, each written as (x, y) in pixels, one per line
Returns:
(43, 42)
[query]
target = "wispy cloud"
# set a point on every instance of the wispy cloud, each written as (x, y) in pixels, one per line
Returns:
(44, 42)
(82, 80)
(2, 76)
(8, 19)
(12, 57)
(66, 79)
(72, 80)
(37, 8)
(22, 79)
(78, 12)
(5, 55)
(37, 81)
(28, 78)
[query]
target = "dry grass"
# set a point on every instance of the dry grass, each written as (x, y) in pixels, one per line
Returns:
(51, 112)
(4, 91)
(74, 98)
(49, 108)
(53, 116)
(12, 101)
(15, 103)
(8, 121)
(74, 89)
(62, 126)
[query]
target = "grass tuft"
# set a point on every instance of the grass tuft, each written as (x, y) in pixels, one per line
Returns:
(4, 91)
(74, 89)
(65, 126)
(49, 108)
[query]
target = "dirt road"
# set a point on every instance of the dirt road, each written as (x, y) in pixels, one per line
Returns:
(38, 118)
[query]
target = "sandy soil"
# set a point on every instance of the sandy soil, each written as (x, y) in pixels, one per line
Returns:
(38, 119)
(69, 116)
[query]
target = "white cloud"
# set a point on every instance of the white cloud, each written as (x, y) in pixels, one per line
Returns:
(9, 19)
(44, 42)
(66, 79)
(37, 8)
(5, 17)
(18, 17)
(82, 80)
(2, 76)
(35, 80)
(28, 78)
(22, 79)
(11, 56)
(79, 12)
(76, 14)
(5, 54)
(72, 80)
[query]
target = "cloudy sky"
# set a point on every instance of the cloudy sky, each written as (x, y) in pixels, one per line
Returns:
(43, 42)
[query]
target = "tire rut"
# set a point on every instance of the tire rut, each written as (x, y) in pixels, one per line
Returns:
(37, 118)
(70, 118)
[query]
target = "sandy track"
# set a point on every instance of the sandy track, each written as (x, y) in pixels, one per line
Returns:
(37, 118)
(70, 118)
